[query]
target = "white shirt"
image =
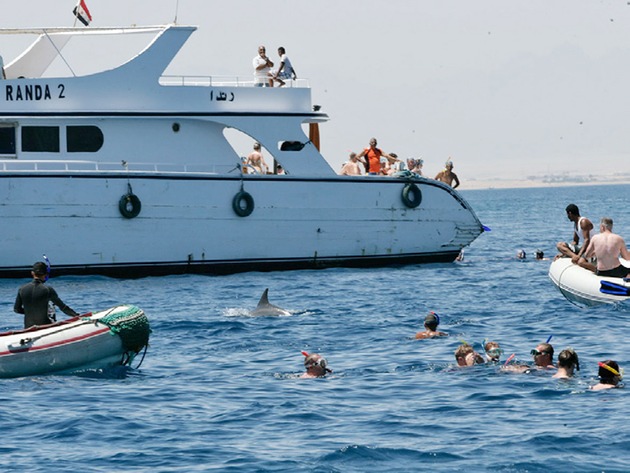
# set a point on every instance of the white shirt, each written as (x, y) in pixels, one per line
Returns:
(261, 76)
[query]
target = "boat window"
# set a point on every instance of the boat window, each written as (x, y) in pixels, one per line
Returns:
(87, 139)
(7, 140)
(291, 146)
(40, 139)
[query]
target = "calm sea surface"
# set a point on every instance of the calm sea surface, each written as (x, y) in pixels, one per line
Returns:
(219, 390)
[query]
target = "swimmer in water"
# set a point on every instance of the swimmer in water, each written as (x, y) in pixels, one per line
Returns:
(431, 323)
(316, 366)
(493, 351)
(520, 254)
(609, 375)
(567, 362)
(466, 356)
(543, 356)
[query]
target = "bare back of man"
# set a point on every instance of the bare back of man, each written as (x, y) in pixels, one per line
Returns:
(607, 247)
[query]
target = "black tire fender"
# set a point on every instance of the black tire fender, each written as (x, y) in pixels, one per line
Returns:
(411, 195)
(129, 205)
(237, 204)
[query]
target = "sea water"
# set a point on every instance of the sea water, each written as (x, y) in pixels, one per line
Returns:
(219, 390)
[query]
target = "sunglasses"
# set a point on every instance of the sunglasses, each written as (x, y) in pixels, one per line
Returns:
(536, 352)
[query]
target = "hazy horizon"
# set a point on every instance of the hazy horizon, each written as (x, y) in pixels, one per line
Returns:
(506, 89)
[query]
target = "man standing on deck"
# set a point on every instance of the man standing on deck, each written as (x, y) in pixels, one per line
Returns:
(262, 69)
(33, 299)
(256, 161)
(372, 160)
(581, 226)
(448, 176)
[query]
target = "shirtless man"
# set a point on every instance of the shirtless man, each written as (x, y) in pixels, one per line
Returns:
(543, 356)
(431, 323)
(256, 160)
(583, 227)
(606, 247)
(448, 176)
(351, 168)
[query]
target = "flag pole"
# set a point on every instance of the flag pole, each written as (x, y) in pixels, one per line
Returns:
(176, 11)
(74, 25)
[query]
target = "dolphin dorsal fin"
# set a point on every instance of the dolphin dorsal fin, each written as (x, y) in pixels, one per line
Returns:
(264, 299)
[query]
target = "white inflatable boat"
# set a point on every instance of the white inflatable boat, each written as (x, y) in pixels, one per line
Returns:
(100, 340)
(584, 288)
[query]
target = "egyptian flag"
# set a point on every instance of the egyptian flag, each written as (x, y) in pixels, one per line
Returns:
(82, 13)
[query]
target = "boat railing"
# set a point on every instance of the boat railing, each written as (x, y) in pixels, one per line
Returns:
(113, 167)
(222, 81)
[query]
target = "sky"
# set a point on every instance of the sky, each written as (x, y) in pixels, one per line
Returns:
(507, 89)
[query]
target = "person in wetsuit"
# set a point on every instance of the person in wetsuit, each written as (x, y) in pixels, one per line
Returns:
(32, 299)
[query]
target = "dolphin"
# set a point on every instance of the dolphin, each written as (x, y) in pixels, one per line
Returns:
(265, 308)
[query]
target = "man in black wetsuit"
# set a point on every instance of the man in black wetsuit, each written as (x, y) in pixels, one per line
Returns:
(32, 299)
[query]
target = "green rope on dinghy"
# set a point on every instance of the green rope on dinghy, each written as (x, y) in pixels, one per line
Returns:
(131, 325)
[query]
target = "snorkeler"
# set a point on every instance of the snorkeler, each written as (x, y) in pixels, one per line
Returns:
(465, 355)
(316, 366)
(567, 362)
(609, 375)
(543, 356)
(431, 322)
(493, 351)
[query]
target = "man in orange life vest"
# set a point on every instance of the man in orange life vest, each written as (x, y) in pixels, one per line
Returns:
(373, 158)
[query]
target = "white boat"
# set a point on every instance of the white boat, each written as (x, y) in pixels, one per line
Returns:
(99, 340)
(133, 173)
(584, 288)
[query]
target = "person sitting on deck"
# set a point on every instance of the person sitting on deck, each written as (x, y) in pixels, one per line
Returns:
(351, 168)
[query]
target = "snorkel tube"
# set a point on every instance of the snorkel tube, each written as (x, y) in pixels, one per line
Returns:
(47, 268)
(610, 368)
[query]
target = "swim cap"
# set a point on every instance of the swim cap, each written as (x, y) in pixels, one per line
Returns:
(432, 320)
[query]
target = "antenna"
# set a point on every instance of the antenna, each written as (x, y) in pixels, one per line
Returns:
(176, 10)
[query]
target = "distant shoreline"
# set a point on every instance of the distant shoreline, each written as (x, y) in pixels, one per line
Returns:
(502, 183)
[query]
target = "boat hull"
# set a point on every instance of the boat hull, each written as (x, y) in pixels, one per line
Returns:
(94, 341)
(582, 287)
(190, 225)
